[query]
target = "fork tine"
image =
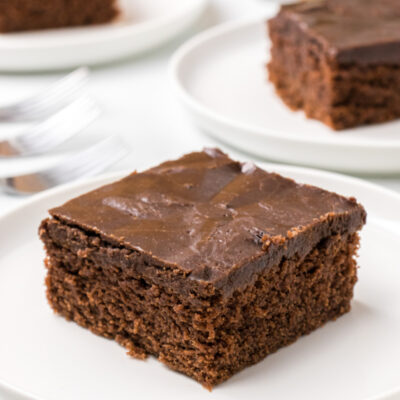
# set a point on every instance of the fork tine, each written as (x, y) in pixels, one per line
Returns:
(89, 161)
(86, 163)
(48, 101)
(60, 127)
(64, 87)
(56, 129)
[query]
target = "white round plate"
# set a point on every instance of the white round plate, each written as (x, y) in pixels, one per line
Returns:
(142, 25)
(356, 357)
(221, 79)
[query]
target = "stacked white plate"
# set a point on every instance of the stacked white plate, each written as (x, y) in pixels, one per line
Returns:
(221, 79)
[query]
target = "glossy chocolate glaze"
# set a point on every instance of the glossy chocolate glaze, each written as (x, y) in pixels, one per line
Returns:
(216, 220)
(352, 31)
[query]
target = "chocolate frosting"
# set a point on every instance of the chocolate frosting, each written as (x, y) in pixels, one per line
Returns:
(215, 219)
(352, 31)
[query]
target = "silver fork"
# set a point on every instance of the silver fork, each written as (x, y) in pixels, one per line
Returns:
(47, 102)
(55, 130)
(88, 162)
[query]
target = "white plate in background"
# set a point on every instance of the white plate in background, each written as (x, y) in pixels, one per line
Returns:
(221, 79)
(356, 357)
(142, 25)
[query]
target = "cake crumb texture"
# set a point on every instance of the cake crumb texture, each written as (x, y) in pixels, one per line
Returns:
(338, 61)
(209, 339)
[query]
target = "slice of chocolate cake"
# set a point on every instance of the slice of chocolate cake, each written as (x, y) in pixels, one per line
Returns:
(23, 15)
(203, 262)
(338, 60)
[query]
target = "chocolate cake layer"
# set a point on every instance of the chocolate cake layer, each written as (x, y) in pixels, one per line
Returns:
(338, 60)
(203, 262)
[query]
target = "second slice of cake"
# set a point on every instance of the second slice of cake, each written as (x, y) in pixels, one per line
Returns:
(206, 263)
(338, 60)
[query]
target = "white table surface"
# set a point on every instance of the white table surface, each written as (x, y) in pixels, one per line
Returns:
(138, 103)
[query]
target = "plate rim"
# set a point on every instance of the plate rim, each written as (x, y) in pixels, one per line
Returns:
(96, 45)
(283, 169)
(185, 51)
(118, 30)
